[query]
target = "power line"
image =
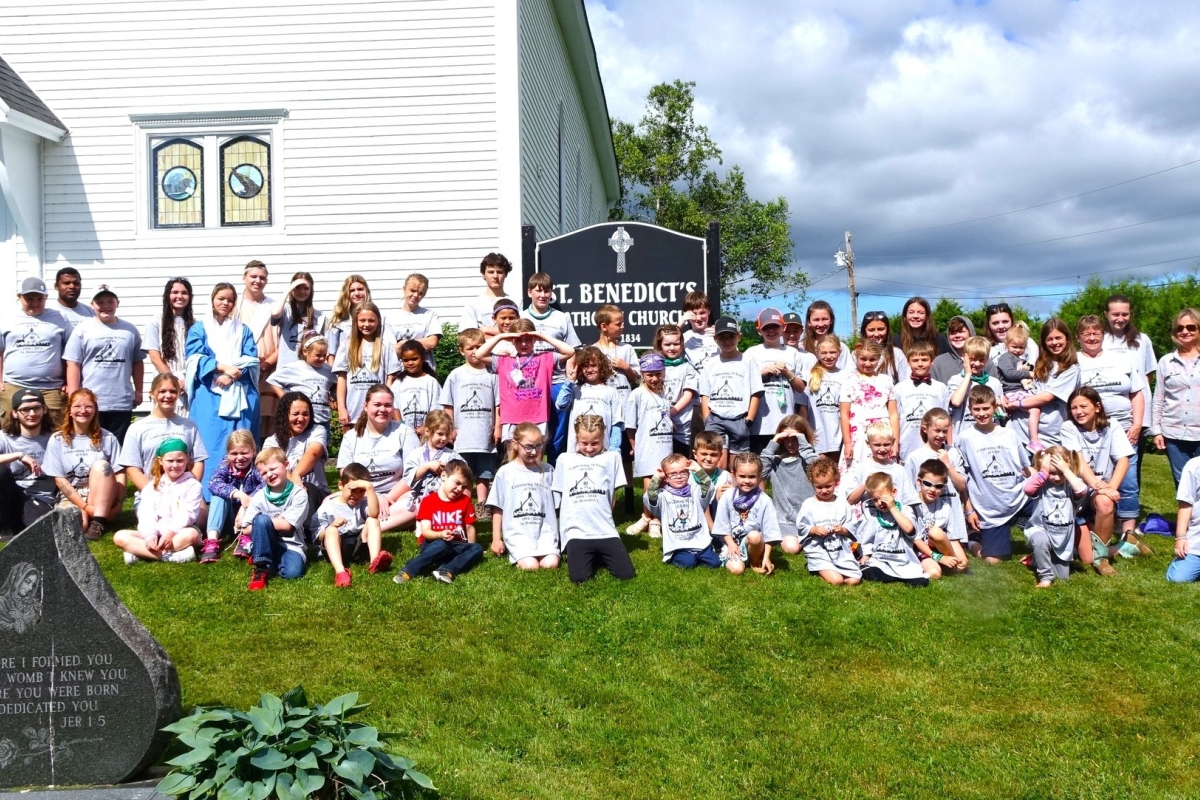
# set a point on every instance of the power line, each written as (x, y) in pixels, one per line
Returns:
(1009, 296)
(1039, 205)
(1040, 241)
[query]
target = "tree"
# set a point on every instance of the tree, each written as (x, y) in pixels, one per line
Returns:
(1154, 305)
(667, 179)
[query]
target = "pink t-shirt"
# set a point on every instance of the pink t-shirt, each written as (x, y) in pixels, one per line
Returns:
(525, 387)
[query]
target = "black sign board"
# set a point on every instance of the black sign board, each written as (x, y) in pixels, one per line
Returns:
(644, 269)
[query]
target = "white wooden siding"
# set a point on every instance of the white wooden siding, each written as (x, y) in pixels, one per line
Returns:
(388, 160)
(546, 80)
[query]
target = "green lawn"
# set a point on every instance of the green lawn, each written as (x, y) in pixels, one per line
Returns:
(706, 685)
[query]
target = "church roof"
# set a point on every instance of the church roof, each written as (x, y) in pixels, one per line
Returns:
(17, 95)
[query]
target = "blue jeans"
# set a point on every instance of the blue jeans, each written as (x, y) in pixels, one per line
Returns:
(1179, 452)
(558, 423)
(219, 517)
(1130, 504)
(267, 550)
(1184, 570)
(695, 558)
(454, 557)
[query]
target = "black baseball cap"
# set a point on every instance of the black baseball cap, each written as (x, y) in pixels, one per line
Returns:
(792, 318)
(25, 395)
(726, 325)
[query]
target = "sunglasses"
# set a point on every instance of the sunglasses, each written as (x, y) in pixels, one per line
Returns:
(931, 485)
(992, 309)
(873, 316)
(1188, 328)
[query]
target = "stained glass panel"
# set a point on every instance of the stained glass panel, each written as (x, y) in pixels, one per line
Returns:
(178, 185)
(245, 182)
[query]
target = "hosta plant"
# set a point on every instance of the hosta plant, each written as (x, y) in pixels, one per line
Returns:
(285, 748)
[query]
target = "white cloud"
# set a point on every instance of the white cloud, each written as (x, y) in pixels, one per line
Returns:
(885, 116)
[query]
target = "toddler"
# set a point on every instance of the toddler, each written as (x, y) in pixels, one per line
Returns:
(349, 519)
(745, 519)
(170, 506)
(825, 524)
(446, 520)
(675, 496)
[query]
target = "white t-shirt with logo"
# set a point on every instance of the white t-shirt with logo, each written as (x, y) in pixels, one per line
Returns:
(729, 385)
(1116, 379)
(382, 454)
(73, 460)
(912, 402)
(33, 348)
(584, 487)
(525, 499)
(472, 396)
(106, 355)
(995, 462)
(779, 399)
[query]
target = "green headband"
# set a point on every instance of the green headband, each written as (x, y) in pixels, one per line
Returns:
(172, 445)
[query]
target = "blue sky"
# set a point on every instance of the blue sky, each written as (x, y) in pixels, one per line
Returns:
(906, 121)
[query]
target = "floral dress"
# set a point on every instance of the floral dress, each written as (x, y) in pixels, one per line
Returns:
(868, 397)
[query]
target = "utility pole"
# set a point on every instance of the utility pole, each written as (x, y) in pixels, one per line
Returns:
(845, 258)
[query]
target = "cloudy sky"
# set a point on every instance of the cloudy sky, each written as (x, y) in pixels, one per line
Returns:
(894, 120)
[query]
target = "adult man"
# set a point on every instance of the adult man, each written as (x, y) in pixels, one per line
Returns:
(254, 311)
(69, 285)
(105, 354)
(31, 350)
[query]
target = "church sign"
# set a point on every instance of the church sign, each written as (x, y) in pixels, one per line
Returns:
(644, 269)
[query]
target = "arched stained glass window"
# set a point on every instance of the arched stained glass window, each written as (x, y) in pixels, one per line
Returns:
(245, 182)
(178, 184)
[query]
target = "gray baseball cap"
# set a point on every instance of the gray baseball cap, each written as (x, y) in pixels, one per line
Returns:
(33, 285)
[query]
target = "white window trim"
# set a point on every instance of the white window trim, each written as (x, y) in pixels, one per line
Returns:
(206, 128)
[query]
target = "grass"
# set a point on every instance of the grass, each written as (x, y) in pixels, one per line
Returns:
(705, 685)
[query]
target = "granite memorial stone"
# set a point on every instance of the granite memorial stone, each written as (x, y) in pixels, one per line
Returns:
(84, 688)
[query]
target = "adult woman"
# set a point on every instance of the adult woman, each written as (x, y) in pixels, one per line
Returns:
(917, 325)
(81, 457)
(295, 315)
(222, 375)
(876, 328)
(166, 334)
(818, 321)
(997, 320)
(379, 443)
(1055, 376)
(1123, 392)
(162, 423)
(1122, 336)
(304, 442)
(1175, 422)
(26, 492)
(355, 291)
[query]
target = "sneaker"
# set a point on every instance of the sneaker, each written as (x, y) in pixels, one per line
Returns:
(131, 559)
(94, 531)
(258, 579)
(381, 562)
(343, 580)
(655, 529)
(211, 552)
(180, 556)
(445, 576)
(243, 547)
(483, 512)
(641, 526)
(402, 577)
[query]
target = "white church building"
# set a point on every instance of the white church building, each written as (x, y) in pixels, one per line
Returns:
(141, 141)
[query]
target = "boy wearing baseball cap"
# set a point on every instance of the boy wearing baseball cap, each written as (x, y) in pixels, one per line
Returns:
(783, 372)
(105, 354)
(32, 341)
(730, 391)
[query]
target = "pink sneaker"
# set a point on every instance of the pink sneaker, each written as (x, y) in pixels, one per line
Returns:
(243, 547)
(210, 553)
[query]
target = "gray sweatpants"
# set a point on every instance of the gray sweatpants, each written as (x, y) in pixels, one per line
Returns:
(1046, 563)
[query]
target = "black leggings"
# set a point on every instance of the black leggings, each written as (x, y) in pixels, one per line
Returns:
(586, 556)
(17, 510)
(879, 576)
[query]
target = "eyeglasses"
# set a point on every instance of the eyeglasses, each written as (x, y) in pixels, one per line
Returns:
(29, 409)
(532, 448)
(1188, 328)
(931, 485)
(873, 316)
(992, 309)
(676, 475)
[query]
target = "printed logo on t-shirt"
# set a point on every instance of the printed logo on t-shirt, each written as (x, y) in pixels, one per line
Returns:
(1059, 513)
(110, 351)
(31, 340)
(531, 506)
(727, 393)
(684, 523)
(585, 485)
(662, 426)
(917, 413)
(828, 398)
(995, 468)
(449, 521)
(412, 413)
(1099, 382)
(474, 403)
(364, 376)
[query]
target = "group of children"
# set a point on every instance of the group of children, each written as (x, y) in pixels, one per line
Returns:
(869, 476)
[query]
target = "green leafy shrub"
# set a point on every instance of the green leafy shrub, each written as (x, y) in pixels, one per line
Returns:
(284, 747)
(446, 353)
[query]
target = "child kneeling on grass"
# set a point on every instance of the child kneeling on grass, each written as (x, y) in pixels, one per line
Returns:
(585, 486)
(746, 519)
(348, 519)
(170, 506)
(886, 535)
(446, 521)
(1058, 494)
(677, 496)
(825, 524)
(274, 519)
(526, 526)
